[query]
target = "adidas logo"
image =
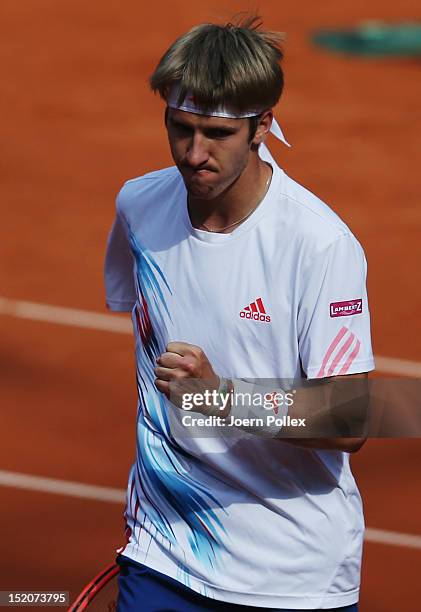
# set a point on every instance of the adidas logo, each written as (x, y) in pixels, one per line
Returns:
(255, 311)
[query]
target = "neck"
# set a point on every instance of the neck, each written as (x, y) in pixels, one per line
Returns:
(239, 199)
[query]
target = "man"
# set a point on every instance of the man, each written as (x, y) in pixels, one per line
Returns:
(234, 272)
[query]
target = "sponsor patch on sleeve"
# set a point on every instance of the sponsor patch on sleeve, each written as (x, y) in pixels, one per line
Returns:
(345, 309)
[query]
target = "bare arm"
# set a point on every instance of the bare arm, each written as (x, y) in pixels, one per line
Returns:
(359, 406)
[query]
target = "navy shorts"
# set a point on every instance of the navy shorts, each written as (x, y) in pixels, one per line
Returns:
(142, 588)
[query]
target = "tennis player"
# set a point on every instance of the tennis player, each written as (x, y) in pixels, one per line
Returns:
(233, 271)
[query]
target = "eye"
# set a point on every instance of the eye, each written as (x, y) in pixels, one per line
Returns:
(180, 128)
(218, 133)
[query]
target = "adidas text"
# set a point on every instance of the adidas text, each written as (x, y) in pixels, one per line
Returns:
(255, 316)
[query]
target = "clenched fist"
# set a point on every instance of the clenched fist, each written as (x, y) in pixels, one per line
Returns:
(184, 368)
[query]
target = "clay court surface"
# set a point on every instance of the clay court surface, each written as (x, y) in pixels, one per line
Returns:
(77, 120)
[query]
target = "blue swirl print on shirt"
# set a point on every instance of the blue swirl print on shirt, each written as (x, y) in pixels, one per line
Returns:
(162, 470)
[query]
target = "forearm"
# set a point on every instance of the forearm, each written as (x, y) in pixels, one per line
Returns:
(337, 406)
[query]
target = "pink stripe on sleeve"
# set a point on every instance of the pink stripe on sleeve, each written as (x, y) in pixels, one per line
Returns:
(351, 358)
(340, 354)
(330, 350)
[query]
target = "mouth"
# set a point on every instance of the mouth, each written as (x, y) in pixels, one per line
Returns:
(200, 172)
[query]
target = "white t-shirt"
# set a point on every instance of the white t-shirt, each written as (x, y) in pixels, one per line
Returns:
(246, 519)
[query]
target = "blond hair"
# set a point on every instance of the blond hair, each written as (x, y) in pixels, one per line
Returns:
(236, 65)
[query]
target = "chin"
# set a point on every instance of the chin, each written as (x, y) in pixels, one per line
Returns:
(201, 192)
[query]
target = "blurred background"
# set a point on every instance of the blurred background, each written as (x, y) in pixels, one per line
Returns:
(77, 119)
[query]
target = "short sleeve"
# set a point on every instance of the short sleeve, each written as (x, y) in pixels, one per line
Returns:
(334, 334)
(119, 269)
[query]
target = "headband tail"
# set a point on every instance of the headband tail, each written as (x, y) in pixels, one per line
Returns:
(277, 132)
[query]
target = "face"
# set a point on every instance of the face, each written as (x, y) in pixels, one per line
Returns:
(210, 152)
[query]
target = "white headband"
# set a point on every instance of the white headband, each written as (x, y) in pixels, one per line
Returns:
(189, 105)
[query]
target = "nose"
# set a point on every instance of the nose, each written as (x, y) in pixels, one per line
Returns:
(197, 154)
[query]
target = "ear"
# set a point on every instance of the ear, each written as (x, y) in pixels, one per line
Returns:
(263, 127)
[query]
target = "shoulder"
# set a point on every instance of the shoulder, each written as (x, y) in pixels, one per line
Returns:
(320, 240)
(139, 190)
(312, 222)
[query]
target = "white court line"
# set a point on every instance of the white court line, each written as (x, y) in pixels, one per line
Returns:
(402, 367)
(65, 316)
(114, 323)
(392, 538)
(61, 487)
(81, 490)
